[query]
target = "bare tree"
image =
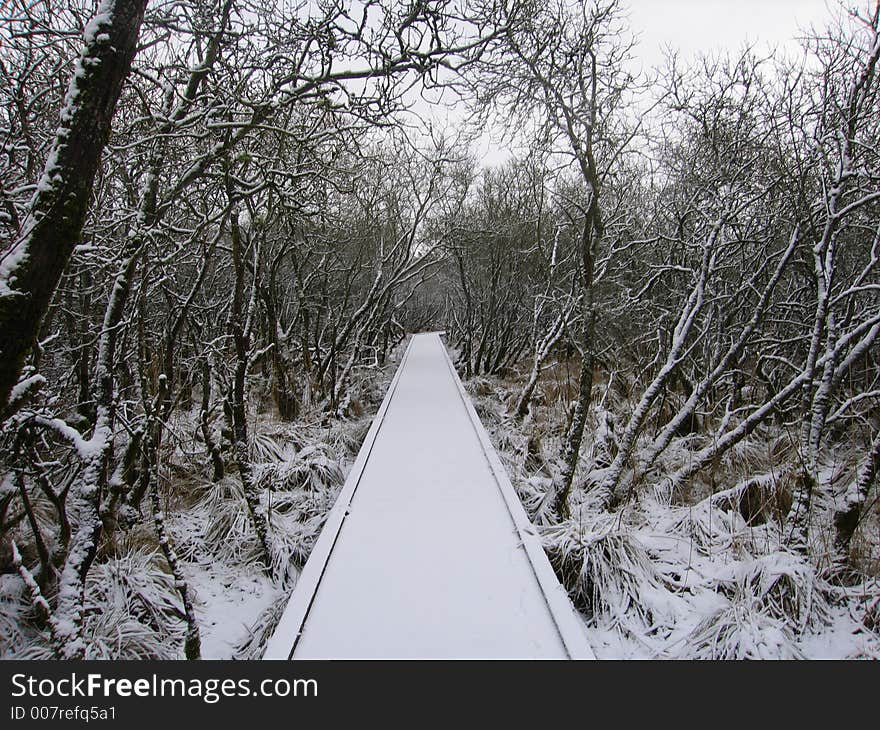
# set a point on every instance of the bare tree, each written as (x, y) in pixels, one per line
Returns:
(564, 70)
(32, 265)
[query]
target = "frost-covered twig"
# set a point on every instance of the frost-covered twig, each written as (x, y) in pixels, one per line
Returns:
(193, 643)
(40, 604)
(32, 267)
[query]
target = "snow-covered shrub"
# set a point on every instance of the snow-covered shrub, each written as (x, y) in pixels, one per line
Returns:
(480, 386)
(312, 468)
(298, 478)
(720, 521)
(605, 569)
(741, 631)
(228, 532)
(537, 495)
(253, 644)
(487, 404)
(345, 437)
(871, 614)
(13, 610)
(132, 611)
(292, 538)
(265, 447)
(782, 585)
(712, 528)
(508, 439)
(749, 456)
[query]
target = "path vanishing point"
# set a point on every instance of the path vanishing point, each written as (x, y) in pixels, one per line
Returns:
(428, 552)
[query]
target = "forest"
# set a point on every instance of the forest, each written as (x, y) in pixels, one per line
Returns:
(220, 220)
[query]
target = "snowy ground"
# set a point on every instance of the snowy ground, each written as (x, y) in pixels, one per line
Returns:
(132, 607)
(229, 601)
(680, 578)
(236, 603)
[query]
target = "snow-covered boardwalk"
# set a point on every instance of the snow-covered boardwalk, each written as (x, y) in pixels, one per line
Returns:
(427, 552)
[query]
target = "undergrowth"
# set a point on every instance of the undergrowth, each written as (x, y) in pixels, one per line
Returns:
(133, 608)
(701, 573)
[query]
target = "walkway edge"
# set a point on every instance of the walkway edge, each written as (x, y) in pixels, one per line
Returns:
(283, 641)
(561, 608)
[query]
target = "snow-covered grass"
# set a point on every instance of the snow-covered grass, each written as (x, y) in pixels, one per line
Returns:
(14, 612)
(132, 611)
(133, 608)
(299, 468)
(704, 574)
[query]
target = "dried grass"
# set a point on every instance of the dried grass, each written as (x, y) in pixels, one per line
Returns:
(605, 569)
(741, 631)
(132, 611)
(252, 646)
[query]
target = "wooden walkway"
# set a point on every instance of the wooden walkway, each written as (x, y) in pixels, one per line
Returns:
(427, 552)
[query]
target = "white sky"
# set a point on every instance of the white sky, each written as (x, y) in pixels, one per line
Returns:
(694, 26)
(699, 26)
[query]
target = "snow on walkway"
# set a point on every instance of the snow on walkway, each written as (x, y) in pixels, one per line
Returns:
(428, 552)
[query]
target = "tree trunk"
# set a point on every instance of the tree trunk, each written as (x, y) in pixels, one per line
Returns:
(590, 237)
(210, 445)
(542, 351)
(241, 338)
(32, 268)
(846, 520)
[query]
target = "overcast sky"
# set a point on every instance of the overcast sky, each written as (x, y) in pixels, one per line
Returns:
(693, 26)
